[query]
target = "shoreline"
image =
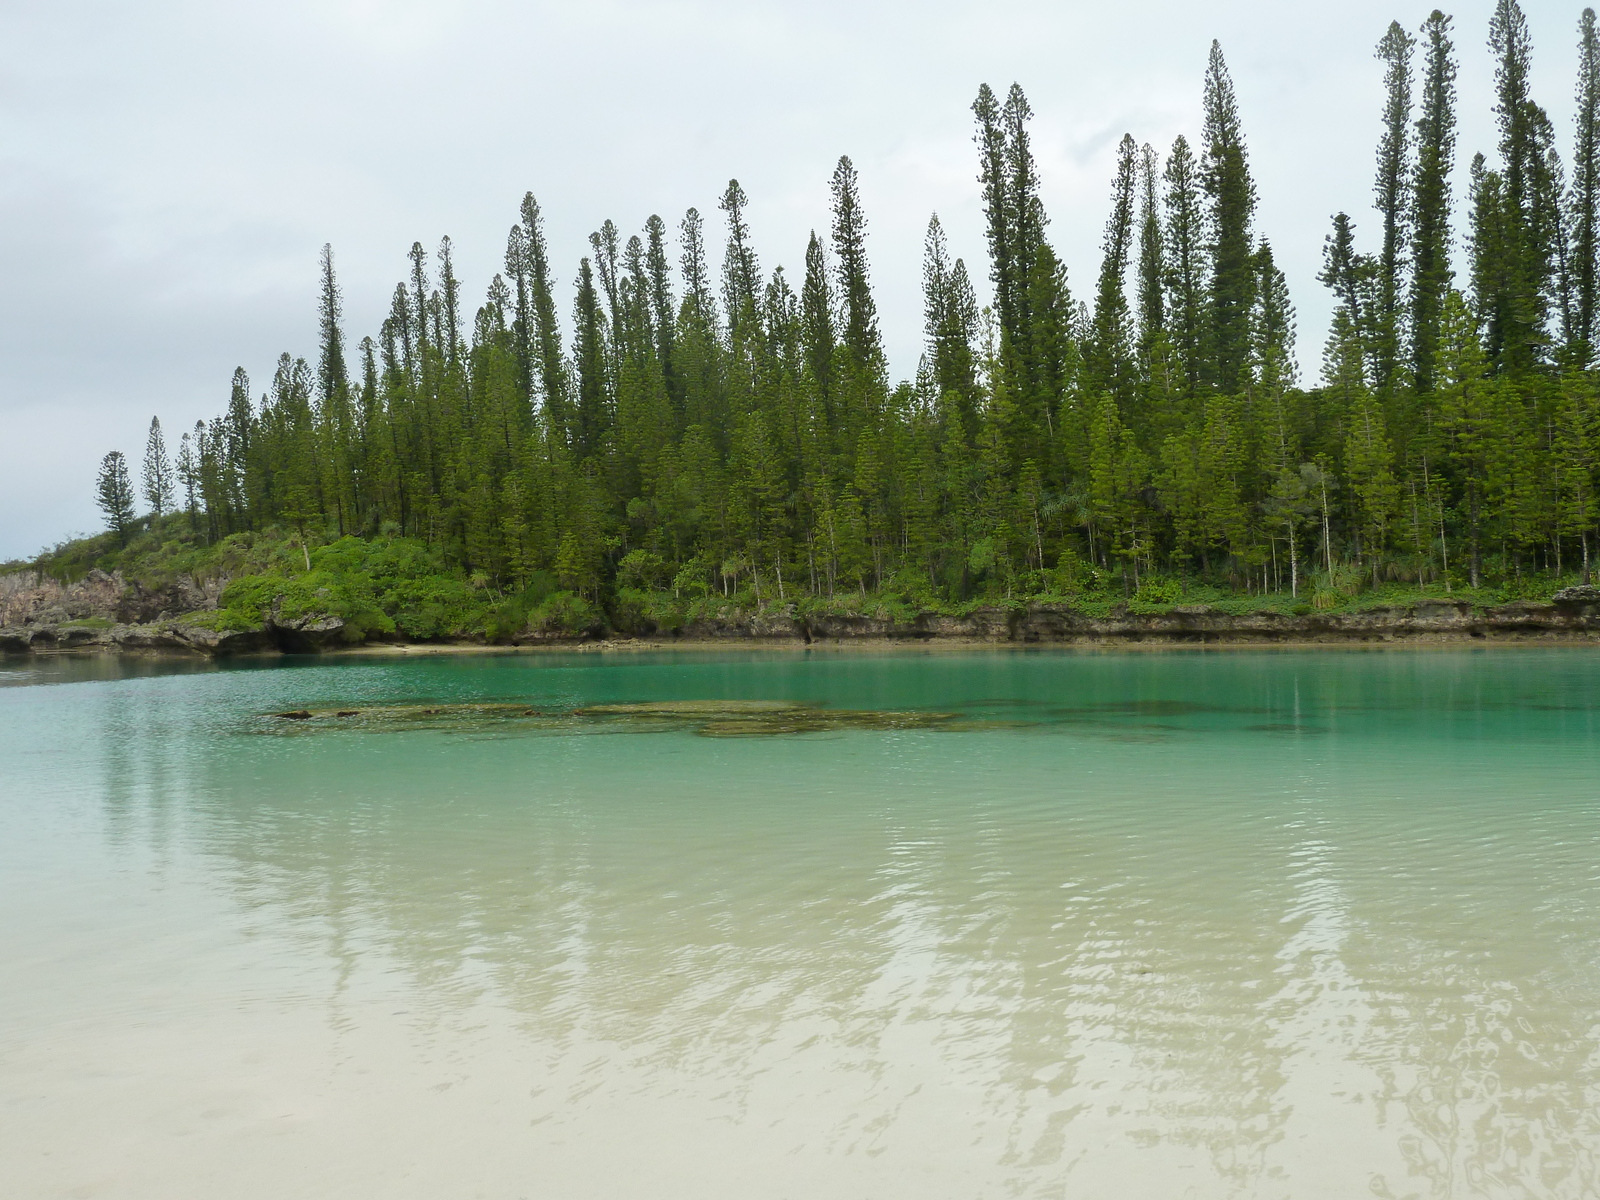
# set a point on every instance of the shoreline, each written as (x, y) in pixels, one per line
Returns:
(1573, 620)
(1112, 644)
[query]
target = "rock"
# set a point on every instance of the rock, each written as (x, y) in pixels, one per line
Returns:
(307, 634)
(29, 598)
(1583, 593)
(219, 643)
(15, 640)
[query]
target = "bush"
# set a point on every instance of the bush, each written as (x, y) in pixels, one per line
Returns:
(1527, 587)
(1072, 576)
(1155, 594)
(564, 612)
(641, 569)
(642, 613)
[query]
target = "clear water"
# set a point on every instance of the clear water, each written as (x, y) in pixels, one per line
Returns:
(1188, 924)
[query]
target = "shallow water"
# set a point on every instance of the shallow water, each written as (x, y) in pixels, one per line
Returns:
(1187, 924)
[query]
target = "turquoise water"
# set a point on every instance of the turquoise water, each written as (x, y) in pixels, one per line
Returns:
(1178, 924)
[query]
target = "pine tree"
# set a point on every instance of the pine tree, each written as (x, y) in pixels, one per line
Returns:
(332, 378)
(861, 337)
(450, 298)
(994, 174)
(1108, 359)
(545, 337)
(1430, 196)
(1369, 465)
(950, 318)
(662, 312)
(1494, 258)
(1185, 263)
(1393, 203)
(1466, 407)
(1585, 218)
(188, 472)
(114, 495)
(1225, 176)
(1511, 244)
(590, 418)
(158, 485)
(1272, 334)
(741, 275)
(1573, 462)
(1030, 283)
(817, 322)
(1152, 300)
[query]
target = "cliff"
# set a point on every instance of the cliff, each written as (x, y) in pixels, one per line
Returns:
(104, 612)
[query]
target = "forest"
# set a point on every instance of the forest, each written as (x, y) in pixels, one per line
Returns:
(692, 433)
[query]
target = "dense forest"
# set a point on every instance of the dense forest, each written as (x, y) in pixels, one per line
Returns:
(694, 431)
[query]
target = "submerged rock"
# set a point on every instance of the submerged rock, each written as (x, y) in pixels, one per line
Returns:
(709, 718)
(690, 708)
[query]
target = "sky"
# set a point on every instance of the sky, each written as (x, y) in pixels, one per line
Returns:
(169, 170)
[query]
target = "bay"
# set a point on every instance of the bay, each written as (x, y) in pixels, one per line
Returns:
(1289, 923)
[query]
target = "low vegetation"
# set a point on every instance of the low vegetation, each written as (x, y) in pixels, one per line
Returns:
(393, 587)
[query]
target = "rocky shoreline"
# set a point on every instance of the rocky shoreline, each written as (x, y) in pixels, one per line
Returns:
(105, 614)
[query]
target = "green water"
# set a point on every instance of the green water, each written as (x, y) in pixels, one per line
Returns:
(1185, 924)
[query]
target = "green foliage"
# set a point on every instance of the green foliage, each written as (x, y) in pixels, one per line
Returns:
(1156, 595)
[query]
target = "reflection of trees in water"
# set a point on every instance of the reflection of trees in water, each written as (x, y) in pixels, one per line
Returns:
(1095, 975)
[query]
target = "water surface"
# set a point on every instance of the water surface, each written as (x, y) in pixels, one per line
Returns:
(1187, 924)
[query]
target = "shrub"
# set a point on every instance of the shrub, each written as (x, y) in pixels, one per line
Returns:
(1156, 593)
(564, 612)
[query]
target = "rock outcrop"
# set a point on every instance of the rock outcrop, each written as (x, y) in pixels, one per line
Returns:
(29, 598)
(107, 613)
(1567, 617)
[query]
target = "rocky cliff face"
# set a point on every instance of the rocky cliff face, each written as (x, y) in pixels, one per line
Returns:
(1573, 614)
(105, 612)
(28, 598)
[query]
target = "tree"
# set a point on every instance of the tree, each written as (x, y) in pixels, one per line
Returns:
(1185, 264)
(590, 417)
(1109, 358)
(1391, 189)
(188, 471)
(1430, 198)
(1225, 177)
(1288, 506)
(1466, 409)
(817, 319)
(332, 378)
(999, 210)
(1152, 300)
(950, 318)
(1369, 465)
(1586, 194)
(158, 484)
(114, 495)
(545, 336)
(1512, 234)
(1573, 464)
(861, 338)
(741, 275)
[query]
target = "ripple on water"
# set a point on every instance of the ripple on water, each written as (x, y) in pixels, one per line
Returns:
(1277, 924)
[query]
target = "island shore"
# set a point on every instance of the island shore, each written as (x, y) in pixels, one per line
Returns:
(1431, 622)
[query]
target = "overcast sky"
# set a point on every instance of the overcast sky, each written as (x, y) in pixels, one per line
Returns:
(169, 170)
